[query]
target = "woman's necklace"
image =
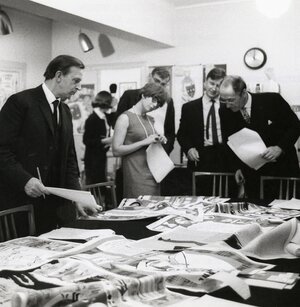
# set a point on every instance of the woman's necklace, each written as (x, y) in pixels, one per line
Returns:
(134, 110)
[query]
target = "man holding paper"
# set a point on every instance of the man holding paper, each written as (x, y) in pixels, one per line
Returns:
(37, 145)
(272, 118)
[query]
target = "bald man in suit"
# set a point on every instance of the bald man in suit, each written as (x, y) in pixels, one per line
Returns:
(272, 118)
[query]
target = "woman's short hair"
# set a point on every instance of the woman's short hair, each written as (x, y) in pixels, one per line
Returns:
(61, 63)
(155, 91)
(102, 100)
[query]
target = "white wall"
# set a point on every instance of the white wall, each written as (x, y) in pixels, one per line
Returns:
(218, 33)
(30, 43)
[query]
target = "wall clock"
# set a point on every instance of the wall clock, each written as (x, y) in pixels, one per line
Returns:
(255, 58)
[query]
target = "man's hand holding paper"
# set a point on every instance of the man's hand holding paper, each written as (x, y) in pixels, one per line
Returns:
(85, 201)
(272, 153)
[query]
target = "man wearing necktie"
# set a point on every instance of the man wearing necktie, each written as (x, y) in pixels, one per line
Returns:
(272, 118)
(36, 140)
(200, 133)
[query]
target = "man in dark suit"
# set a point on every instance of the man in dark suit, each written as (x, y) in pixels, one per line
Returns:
(159, 76)
(272, 118)
(200, 134)
(36, 140)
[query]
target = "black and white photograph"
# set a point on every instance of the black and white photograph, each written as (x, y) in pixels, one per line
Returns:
(149, 153)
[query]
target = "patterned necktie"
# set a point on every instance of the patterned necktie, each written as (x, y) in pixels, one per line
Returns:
(212, 114)
(54, 114)
(246, 115)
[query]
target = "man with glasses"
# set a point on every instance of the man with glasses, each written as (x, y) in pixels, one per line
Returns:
(160, 76)
(272, 118)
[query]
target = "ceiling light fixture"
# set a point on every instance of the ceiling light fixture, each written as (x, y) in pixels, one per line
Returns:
(85, 43)
(105, 45)
(5, 23)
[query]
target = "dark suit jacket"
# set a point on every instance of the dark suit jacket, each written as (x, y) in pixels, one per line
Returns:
(131, 97)
(27, 142)
(95, 152)
(276, 123)
(191, 129)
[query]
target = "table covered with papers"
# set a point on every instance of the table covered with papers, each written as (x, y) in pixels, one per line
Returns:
(160, 251)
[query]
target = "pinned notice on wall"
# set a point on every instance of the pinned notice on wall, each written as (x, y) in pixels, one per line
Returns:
(158, 161)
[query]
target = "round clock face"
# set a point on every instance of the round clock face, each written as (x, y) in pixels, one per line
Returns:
(255, 58)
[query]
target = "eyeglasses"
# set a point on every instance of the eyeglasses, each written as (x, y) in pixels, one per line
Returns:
(228, 100)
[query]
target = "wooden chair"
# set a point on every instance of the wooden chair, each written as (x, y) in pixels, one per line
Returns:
(220, 182)
(8, 228)
(101, 200)
(287, 186)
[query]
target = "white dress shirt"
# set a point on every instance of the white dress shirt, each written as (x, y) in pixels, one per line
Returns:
(206, 102)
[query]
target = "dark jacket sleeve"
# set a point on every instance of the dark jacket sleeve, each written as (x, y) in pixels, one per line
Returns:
(228, 128)
(184, 133)
(92, 134)
(284, 119)
(72, 169)
(124, 103)
(11, 122)
(169, 127)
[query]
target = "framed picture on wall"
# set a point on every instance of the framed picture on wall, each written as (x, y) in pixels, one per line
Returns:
(124, 86)
(12, 79)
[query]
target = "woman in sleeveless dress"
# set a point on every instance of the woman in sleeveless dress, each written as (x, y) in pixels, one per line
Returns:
(134, 132)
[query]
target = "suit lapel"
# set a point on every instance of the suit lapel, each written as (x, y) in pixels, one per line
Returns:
(199, 113)
(256, 113)
(45, 108)
(63, 121)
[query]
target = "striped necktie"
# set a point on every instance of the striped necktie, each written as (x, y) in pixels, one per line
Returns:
(246, 115)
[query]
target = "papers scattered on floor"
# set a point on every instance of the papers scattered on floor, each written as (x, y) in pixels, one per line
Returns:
(84, 197)
(293, 204)
(248, 146)
(158, 161)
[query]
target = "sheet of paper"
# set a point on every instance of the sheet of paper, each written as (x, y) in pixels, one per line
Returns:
(83, 197)
(65, 233)
(248, 146)
(293, 204)
(274, 243)
(158, 161)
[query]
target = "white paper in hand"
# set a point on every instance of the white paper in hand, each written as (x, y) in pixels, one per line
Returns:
(248, 146)
(83, 197)
(158, 161)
